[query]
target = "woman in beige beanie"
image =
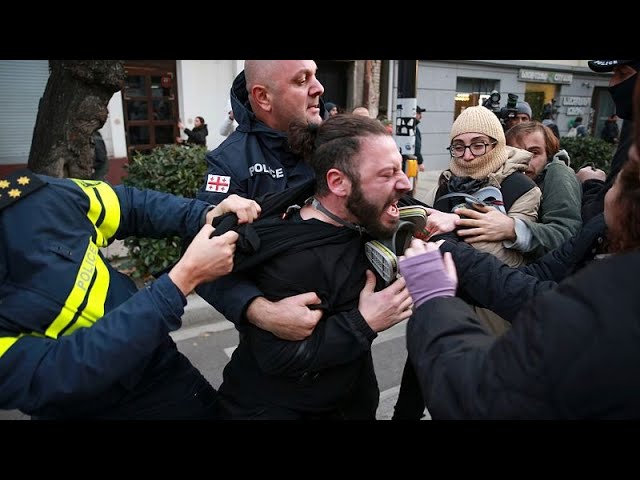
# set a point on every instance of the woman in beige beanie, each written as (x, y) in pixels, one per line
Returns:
(481, 158)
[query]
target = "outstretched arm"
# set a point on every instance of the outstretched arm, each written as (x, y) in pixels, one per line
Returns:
(38, 373)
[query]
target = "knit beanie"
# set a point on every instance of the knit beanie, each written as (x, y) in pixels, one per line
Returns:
(483, 121)
(524, 107)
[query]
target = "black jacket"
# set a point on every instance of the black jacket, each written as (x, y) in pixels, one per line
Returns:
(329, 372)
(418, 145)
(197, 136)
(487, 282)
(610, 131)
(593, 191)
(571, 354)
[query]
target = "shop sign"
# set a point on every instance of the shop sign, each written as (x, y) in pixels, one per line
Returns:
(576, 101)
(575, 111)
(541, 76)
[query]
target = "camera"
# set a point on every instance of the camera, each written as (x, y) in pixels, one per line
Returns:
(493, 104)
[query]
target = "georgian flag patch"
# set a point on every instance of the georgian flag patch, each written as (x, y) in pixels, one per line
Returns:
(217, 183)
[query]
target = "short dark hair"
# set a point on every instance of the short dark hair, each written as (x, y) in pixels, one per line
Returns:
(333, 144)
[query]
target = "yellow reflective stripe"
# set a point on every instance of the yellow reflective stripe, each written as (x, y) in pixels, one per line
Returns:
(78, 292)
(94, 308)
(6, 342)
(111, 222)
(104, 208)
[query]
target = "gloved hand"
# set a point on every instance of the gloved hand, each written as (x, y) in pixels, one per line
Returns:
(426, 274)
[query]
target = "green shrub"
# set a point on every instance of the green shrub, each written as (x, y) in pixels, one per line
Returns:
(170, 168)
(588, 151)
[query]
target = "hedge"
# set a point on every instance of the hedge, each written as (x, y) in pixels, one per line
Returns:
(170, 168)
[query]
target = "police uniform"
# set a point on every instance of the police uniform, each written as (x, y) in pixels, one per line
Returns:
(77, 338)
(253, 161)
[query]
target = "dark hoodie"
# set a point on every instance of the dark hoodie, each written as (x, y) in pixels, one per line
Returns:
(253, 161)
(329, 374)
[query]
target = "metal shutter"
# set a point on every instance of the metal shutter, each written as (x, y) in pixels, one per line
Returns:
(22, 84)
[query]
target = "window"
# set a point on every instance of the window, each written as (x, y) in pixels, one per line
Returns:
(150, 105)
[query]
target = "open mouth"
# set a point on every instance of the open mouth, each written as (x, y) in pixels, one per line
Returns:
(392, 210)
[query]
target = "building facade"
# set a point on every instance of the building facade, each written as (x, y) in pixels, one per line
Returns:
(444, 88)
(159, 93)
(156, 95)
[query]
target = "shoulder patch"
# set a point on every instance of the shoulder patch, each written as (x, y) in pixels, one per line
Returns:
(18, 185)
(217, 183)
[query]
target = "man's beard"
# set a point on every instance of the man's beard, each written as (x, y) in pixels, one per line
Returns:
(368, 215)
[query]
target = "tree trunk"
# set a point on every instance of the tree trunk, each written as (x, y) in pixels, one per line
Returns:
(73, 107)
(366, 87)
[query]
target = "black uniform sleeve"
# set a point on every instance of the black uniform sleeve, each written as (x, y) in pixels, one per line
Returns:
(487, 282)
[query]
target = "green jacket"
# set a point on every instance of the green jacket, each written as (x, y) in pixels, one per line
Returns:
(559, 217)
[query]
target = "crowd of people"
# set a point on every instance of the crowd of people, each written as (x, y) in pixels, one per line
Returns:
(519, 298)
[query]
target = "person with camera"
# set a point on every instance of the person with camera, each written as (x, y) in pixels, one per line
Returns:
(513, 113)
(518, 114)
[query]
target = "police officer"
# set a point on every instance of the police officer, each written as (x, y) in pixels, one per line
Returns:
(255, 160)
(77, 338)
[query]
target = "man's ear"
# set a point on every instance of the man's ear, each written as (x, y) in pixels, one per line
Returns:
(338, 183)
(261, 97)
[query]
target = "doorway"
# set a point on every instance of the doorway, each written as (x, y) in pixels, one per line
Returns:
(334, 78)
(150, 104)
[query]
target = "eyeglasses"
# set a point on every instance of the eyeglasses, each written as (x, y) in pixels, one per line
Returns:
(476, 148)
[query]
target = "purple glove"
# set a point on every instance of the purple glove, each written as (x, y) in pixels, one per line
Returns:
(426, 277)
